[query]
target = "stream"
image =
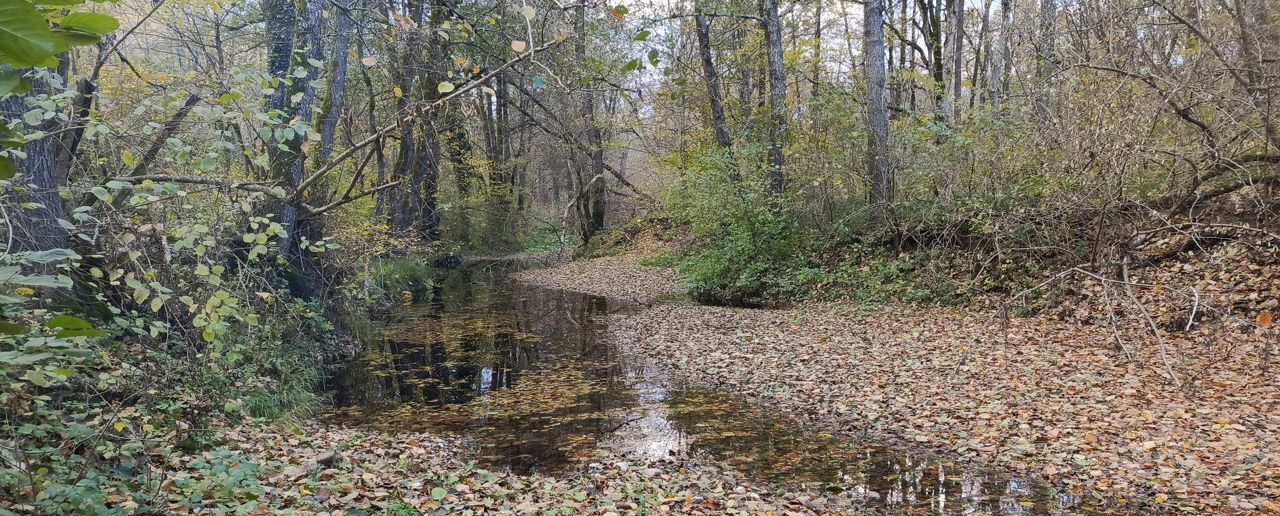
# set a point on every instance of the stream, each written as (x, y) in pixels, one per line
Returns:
(528, 376)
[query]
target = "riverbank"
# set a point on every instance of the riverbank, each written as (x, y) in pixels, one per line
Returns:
(1037, 396)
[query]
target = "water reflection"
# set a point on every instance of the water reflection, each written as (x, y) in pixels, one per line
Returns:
(528, 376)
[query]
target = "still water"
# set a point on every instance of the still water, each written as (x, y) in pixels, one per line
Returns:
(529, 377)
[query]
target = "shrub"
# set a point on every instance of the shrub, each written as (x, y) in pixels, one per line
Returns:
(747, 240)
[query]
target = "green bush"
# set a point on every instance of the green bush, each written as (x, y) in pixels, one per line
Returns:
(748, 241)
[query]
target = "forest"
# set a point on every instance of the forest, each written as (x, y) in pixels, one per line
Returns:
(679, 257)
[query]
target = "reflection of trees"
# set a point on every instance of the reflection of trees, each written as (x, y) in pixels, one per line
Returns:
(552, 382)
(767, 445)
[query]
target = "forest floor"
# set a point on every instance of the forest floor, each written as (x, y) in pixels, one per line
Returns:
(1052, 397)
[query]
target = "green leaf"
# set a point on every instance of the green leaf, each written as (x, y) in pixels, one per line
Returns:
(101, 193)
(34, 376)
(93, 23)
(68, 322)
(40, 280)
(25, 37)
(631, 66)
(9, 79)
(22, 358)
(7, 168)
(50, 256)
(58, 2)
(66, 334)
(642, 36)
(438, 493)
(76, 38)
(12, 328)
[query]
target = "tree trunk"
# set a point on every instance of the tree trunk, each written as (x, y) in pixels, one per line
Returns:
(900, 83)
(337, 95)
(882, 183)
(281, 18)
(777, 96)
(957, 59)
(592, 201)
(35, 228)
(380, 207)
(981, 51)
(1047, 51)
(931, 14)
(1001, 60)
(427, 169)
(817, 63)
(712, 77)
(306, 279)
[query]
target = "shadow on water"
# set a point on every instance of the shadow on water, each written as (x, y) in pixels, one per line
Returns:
(529, 377)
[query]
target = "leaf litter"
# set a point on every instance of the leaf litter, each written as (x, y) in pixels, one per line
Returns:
(1048, 396)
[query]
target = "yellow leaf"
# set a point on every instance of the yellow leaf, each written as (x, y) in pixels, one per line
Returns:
(397, 92)
(444, 87)
(119, 426)
(141, 294)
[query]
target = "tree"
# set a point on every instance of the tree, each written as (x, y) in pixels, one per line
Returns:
(712, 78)
(778, 127)
(882, 181)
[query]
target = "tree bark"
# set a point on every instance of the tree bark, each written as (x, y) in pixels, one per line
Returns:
(957, 59)
(882, 182)
(337, 95)
(712, 77)
(776, 179)
(593, 206)
(1047, 52)
(35, 228)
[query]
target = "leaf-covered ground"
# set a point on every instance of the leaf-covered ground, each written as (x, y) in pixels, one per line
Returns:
(620, 277)
(1056, 400)
(320, 468)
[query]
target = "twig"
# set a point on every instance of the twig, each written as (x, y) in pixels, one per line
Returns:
(1164, 353)
(1191, 319)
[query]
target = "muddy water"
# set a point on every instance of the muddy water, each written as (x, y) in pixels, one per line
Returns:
(529, 377)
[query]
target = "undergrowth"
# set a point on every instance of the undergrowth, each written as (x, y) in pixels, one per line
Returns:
(750, 249)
